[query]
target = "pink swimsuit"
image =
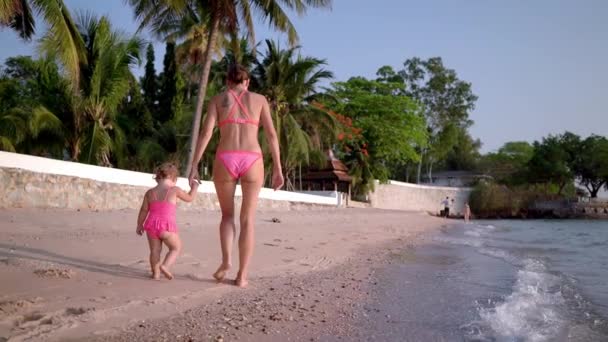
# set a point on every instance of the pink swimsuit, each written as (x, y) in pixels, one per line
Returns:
(161, 216)
(238, 162)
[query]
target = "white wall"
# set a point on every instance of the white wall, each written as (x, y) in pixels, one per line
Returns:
(407, 196)
(118, 176)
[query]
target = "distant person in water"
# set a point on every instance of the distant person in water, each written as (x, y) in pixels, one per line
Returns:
(157, 218)
(446, 207)
(467, 212)
(238, 113)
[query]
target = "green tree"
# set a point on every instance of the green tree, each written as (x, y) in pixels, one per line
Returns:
(447, 101)
(168, 84)
(90, 112)
(591, 163)
(551, 163)
(149, 83)
(509, 164)
(25, 126)
(223, 16)
(290, 84)
(392, 125)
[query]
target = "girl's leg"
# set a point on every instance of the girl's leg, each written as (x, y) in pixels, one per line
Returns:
(174, 244)
(225, 187)
(251, 183)
(156, 247)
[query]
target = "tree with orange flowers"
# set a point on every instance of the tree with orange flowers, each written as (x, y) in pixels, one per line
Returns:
(380, 128)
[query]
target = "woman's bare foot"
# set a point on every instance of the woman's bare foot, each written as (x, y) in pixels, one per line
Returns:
(220, 274)
(166, 272)
(241, 282)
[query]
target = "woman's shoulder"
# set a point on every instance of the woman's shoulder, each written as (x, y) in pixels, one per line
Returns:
(255, 95)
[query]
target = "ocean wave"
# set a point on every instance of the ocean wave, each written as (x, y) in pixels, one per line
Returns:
(460, 241)
(533, 311)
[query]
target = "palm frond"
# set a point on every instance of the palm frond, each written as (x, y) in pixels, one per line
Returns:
(6, 144)
(42, 120)
(62, 40)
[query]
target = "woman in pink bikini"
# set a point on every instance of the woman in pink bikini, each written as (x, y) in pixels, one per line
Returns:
(238, 114)
(157, 218)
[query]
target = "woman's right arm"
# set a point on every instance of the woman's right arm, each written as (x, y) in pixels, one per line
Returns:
(273, 142)
(205, 135)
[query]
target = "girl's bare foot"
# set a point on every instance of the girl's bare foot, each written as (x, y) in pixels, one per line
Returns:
(155, 275)
(220, 274)
(166, 272)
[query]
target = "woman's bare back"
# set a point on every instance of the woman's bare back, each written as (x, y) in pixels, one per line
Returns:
(239, 117)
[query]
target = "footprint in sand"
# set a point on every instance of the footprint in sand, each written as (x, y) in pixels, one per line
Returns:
(291, 248)
(271, 245)
(11, 307)
(55, 273)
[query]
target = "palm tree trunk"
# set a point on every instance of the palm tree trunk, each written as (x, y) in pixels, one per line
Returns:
(300, 171)
(75, 149)
(202, 90)
(419, 170)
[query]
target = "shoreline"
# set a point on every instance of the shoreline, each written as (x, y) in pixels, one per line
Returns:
(318, 306)
(80, 274)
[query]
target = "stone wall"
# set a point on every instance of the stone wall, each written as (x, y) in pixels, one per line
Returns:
(26, 189)
(30, 181)
(406, 196)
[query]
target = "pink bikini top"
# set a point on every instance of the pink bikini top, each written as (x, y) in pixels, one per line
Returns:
(231, 118)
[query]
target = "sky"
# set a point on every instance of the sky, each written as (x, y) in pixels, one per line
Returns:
(538, 67)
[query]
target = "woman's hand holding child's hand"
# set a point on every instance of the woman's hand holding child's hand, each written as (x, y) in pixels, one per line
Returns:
(194, 184)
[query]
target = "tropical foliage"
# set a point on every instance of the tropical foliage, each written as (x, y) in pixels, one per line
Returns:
(79, 99)
(219, 18)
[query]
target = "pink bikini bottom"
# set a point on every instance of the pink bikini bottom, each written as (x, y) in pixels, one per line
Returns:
(237, 163)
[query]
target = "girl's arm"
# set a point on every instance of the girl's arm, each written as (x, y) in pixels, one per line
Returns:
(273, 142)
(187, 196)
(143, 213)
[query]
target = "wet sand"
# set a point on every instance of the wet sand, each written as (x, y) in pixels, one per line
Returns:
(79, 275)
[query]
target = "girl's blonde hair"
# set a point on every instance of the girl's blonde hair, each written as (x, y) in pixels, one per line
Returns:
(166, 171)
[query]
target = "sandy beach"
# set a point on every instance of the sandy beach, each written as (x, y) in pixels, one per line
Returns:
(78, 275)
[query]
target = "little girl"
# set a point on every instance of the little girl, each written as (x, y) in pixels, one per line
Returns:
(157, 218)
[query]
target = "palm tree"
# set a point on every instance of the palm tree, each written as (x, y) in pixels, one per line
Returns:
(222, 16)
(290, 83)
(25, 127)
(19, 15)
(105, 80)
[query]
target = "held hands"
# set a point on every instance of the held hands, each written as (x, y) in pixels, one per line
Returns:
(277, 179)
(194, 176)
(194, 184)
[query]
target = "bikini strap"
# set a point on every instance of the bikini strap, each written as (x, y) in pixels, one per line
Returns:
(237, 99)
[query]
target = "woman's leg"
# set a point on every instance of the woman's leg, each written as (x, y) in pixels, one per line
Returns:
(251, 183)
(225, 186)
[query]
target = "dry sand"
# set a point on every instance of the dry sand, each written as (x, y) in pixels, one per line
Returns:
(82, 274)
